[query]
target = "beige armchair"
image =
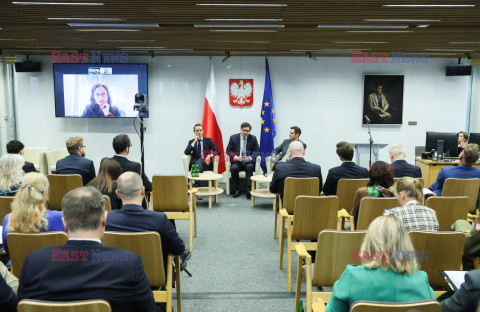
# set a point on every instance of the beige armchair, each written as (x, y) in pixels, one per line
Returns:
(53, 156)
(186, 164)
(228, 175)
(32, 154)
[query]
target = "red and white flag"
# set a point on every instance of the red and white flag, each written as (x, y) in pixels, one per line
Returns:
(211, 118)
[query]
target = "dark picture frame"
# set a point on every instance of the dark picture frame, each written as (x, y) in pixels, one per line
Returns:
(386, 107)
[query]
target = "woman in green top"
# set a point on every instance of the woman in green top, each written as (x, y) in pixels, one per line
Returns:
(388, 272)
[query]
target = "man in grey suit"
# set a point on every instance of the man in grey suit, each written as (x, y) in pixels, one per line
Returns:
(280, 152)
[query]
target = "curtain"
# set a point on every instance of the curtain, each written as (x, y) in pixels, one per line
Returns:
(475, 100)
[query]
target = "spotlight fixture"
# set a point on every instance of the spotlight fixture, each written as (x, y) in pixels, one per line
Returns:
(313, 57)
(226, 57)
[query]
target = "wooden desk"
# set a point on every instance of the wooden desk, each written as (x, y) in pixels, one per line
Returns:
(431, 168)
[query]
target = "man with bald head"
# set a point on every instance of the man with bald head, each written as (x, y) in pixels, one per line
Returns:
(296, 167)
(133, 218)
(399, 164)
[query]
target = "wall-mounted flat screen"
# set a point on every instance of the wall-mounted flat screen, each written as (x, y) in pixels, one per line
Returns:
(98, 90)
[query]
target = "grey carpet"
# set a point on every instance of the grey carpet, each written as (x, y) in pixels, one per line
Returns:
(235, 259)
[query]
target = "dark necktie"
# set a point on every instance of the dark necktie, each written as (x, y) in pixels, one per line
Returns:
(199, 148)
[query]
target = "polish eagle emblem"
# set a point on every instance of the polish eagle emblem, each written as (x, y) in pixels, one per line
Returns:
(241, 92)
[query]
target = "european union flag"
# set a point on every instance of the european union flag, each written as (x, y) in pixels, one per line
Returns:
(268, 120)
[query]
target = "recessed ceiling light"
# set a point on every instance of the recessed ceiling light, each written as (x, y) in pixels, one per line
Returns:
(244, 4)
(330, 50)
(363, 26)
(158, 49)
(125, 40)
(423, 26)
(148, 48)
(373, 42)
(112, 25)
(238, 26)
(380, 31)
(106, 29)
(55, 3)
(10, 39)
(429, 5)
(399, 20)
(448, 50)
(106, 19)
(244, 19)
(241, 30)
(465, 42)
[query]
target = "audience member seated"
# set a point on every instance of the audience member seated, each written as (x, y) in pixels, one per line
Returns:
(464, 170)
(462, 140)
(472, 243)
(106, 181)
(83, 269)
(296, 167)
(413, 214)
(400, 165)
(466, 298)
(8, 288)
(384, 276)
(133, 218)
(282, 151)
(380, 185)
(76, 163)
(29, 209)
(9, 278)
(16, 147)
(11, 174)
(347, 170)
(121, 146)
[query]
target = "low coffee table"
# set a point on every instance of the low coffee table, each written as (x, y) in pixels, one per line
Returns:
(212, 189)
(261, 192)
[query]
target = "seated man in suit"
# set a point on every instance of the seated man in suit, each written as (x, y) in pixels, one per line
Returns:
(464, 170)
(16, 147)
(279, 152)
(201, 149)
(243, 150)
(347, 170)
(121, 146)
(296, 167)
(76, 163)
(400, 165)
(8, 289)
(133, 218)
(83, 269)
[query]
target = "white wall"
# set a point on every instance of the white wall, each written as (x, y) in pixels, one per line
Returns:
(324, 98)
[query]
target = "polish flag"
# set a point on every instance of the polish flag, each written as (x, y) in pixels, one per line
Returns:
(211, 119)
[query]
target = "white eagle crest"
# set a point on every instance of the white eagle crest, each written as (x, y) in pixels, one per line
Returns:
(241, 93)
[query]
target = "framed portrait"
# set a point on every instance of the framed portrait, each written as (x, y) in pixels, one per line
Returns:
(383, 99)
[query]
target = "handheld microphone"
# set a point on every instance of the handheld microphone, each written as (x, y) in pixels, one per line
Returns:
(367, 119)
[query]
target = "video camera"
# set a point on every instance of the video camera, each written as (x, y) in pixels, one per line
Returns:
(140, 103)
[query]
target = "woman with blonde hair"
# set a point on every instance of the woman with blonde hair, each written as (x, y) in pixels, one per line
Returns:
(389, 270)
(413, 214)
(10, 174)
(29, 209)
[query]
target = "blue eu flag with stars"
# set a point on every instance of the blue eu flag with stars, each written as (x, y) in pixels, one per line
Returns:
(267, 115)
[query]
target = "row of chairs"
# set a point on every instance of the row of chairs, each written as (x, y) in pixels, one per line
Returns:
(303, 213)
(146, 244)
(170, 195)
(334, 252)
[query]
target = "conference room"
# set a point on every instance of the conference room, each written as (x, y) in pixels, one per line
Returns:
(374, 75)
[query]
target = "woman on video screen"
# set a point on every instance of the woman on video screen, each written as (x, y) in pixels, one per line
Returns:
(100, 103)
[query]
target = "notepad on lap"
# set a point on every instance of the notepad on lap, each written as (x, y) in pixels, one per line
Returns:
(454, 278)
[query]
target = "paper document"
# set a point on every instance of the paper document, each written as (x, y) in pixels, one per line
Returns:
(454, 278)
